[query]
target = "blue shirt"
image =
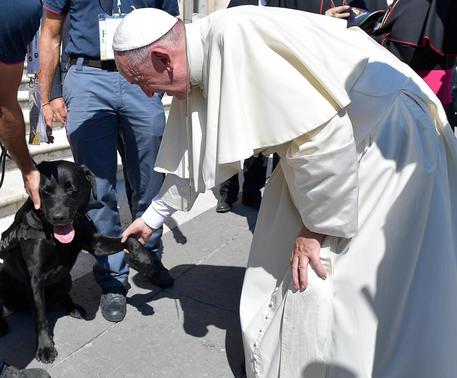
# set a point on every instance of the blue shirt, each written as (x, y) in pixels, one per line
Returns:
(83, 30)
(19, 21)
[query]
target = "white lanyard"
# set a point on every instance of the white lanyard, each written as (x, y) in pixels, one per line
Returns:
(107, 26)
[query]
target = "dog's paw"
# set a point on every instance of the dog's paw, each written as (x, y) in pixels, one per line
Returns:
(46, 354)
(78, 312)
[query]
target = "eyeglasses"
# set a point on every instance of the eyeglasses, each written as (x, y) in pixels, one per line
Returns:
(109, 5)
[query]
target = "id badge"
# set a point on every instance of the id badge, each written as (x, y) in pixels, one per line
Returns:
(107, 26)
(33, 55)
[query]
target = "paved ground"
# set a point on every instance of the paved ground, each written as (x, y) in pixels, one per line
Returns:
(191, 330)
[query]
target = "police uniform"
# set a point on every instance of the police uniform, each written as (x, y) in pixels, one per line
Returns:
(19, 21)
(104, 109)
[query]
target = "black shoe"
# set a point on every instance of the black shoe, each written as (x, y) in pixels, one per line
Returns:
(12, 372)
(252, 199)
(153, 270)
(113, 303)
(223, 206)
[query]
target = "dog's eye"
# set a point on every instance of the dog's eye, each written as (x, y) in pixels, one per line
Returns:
(69, 189)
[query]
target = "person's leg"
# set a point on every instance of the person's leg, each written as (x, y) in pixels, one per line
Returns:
(128, 188)
(142, 121)
(275, 161)
(92, 129)
(228, 193)
(255, 173)
(229, 189)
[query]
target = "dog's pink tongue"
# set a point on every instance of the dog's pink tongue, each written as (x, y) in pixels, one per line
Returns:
(64, 234)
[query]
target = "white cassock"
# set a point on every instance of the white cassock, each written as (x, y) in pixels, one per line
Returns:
(367, 158)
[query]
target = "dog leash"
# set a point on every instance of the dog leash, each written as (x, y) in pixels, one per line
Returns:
(3, 156)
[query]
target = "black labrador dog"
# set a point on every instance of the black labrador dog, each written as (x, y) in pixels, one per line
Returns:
(40, 248)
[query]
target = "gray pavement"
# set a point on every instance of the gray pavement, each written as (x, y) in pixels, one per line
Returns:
(190, 330)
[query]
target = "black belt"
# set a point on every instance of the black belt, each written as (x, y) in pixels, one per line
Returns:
(108, 65)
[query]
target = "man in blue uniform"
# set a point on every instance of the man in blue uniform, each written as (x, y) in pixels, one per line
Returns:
(103, 108)
(19, 21)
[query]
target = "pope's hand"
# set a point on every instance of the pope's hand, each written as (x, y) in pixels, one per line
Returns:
(306, 251)
(139, 230)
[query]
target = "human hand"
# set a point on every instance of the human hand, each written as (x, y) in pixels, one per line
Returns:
(139, 230)
(48, 114)
(338, 12)
(32, 184)
(59, 109)
(306, 251)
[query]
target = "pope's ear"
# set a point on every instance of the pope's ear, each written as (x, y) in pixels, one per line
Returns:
(160, 59)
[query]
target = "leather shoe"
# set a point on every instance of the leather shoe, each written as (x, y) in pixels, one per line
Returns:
(223, 206)
(12, 372)
(113, 304)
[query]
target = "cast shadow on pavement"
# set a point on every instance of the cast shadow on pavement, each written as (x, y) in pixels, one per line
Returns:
(245, 211)
(208, 295)
(238, 208)
(179, 237)
(319, 369)
(18, 346)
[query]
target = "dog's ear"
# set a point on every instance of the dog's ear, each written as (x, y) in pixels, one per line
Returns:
(91, 178)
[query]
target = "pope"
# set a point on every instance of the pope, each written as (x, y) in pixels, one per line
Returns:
(352, 269)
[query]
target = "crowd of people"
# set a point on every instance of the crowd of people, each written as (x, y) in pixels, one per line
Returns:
(353, 257)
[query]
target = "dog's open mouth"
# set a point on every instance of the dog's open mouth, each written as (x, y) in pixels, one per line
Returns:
(64, 233)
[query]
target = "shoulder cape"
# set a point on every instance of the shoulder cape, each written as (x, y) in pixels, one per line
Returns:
(261, 77)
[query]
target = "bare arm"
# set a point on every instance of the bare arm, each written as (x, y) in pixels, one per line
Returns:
(12, 128)
(50, 39)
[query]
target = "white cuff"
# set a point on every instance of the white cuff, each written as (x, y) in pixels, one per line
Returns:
(156, 213)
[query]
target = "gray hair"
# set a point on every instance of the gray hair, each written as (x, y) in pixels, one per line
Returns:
(141, 54)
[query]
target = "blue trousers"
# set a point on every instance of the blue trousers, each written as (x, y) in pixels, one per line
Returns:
(104, 109)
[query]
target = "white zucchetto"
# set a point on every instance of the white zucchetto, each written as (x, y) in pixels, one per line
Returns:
(141, 28)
